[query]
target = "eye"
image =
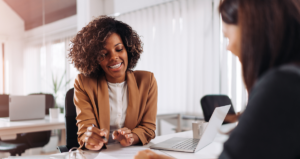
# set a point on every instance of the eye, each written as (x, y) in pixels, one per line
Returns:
(119, 49)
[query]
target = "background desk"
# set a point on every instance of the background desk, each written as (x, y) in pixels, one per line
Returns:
(10, 129)
(212, 151)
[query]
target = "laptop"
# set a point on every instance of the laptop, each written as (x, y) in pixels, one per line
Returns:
(194, 145)
(27, 107)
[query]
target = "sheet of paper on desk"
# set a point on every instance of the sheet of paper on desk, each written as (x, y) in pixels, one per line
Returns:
(119, 152)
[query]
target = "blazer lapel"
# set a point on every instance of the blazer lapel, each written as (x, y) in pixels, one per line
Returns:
(132, 112)
(103, 104)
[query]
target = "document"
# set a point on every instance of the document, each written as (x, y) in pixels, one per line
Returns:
(116, 151)
(113, 151)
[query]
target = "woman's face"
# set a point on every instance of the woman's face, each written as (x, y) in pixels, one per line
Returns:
(232, 32)
(115, 61)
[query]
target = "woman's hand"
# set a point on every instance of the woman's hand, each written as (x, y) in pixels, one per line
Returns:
(231, 118)
(125, 137)
(94, 138)
(148, 154)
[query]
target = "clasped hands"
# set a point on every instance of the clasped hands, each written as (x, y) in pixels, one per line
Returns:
(96, 138)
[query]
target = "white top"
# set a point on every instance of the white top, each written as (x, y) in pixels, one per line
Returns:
(118, 104)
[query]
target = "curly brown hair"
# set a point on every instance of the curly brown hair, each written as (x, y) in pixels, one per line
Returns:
(87, 44)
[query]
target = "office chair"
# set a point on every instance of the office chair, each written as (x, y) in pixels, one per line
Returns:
(71, 127)
(40, 139)
(29, 140)
(210, 102)
(4, 105)
(13, 147)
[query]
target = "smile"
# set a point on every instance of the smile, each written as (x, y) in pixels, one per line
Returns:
(116, 66)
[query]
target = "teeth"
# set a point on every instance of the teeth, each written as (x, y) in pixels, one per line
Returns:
(115, 66)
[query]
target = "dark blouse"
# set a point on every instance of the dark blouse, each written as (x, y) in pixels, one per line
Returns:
(269, 128)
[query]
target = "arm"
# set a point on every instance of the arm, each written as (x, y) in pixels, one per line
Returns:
(85, 114)
(269, 127)
(145, 131)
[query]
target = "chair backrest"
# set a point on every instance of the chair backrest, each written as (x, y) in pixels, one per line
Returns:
(70, 116)
(50, 101)
(40, 139)
(210, 102)
(4, 105)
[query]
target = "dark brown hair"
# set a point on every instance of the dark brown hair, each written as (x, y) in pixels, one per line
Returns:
(270, 31)
(87, 44)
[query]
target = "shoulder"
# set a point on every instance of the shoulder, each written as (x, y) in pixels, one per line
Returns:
(144, 77)
(83, 78)
(85, 81)
(283, 78)
(276, 88)
(142, 74)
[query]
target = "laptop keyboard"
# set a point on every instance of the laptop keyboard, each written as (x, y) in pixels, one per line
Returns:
(188, 144)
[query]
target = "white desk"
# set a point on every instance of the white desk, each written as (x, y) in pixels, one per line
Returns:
(212, 151)
(10, 129)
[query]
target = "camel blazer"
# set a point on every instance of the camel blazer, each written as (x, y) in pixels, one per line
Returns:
(91, 99)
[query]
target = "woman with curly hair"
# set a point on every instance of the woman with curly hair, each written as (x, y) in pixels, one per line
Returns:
(109, 97)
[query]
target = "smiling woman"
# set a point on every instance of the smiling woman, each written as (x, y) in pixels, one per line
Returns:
(110, 98)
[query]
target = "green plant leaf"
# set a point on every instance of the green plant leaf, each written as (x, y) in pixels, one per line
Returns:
(62, 77)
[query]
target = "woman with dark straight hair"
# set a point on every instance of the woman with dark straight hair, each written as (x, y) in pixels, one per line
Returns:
(265, 36)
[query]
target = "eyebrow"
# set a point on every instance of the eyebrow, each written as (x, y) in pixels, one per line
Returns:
(117, 44)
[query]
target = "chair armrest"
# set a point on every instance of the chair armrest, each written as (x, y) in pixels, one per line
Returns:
(62, 149)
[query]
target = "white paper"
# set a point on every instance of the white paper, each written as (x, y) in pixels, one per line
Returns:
(116, 151)
(113, 151)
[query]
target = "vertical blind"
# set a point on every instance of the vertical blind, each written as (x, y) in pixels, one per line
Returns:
(183, 47)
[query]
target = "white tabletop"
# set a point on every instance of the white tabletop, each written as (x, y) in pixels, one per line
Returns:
(212, 151)
(9, 129)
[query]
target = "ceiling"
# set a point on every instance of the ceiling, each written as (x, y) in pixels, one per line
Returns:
(31, 11)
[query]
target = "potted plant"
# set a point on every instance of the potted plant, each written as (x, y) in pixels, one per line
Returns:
(57, 85)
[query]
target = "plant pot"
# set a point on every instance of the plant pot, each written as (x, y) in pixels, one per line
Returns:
(54, 113)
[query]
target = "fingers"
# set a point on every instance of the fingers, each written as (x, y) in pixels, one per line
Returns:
(101, 132)
(98, 133)
(124, 136)
(127, 134)
(129, 138)
(94, 136)
(93, 147)
(93, 141)
(115, 135)
(124, 131)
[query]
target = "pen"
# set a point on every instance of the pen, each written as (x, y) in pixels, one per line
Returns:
(103, 137)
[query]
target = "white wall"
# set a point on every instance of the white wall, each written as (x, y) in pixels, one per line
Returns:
(53, 31)
(11, 33)
(87, 10)
(121, 6)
